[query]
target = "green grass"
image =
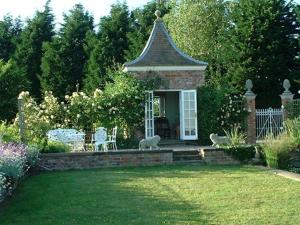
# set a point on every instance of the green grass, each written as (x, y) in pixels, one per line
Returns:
(155, 195)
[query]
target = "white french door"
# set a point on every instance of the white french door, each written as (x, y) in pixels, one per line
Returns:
(188, 118)
(149, 115)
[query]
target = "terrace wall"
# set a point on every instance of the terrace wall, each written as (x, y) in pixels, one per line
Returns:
(89, 160)
(125, 158)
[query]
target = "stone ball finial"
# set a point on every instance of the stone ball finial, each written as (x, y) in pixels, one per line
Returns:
(249, 85)
(286, 85)
(157, 14)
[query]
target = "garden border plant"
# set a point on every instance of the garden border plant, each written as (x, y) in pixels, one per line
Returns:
(277, 150)
(15, 160)
(237, 146)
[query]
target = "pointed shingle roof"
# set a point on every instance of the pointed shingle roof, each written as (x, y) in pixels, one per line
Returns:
(161, 51)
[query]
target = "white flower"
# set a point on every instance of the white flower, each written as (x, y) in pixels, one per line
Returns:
(78, 116)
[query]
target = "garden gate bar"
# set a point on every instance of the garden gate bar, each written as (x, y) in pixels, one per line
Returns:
(268, 121)
(149, 115)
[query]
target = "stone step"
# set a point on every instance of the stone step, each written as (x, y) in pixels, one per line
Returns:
(189, 162)
(183, 158)
(186, 152)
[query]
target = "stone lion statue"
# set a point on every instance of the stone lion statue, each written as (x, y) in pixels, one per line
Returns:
(218, 140)
(151, 142)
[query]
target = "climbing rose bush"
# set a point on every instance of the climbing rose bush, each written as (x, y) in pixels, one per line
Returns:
(233, 112)
(119, 104)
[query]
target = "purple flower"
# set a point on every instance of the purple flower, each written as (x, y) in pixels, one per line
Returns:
(13, 149)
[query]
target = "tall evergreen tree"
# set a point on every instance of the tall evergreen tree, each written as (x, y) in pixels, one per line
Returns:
(262, 45)
(10, 30)
(64, 59)
(110, 48)
(29, 53)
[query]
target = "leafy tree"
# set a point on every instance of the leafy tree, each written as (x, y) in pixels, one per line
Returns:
(141, 25)
(64, 59)
(10, 31)
(196, 27)
(110, 49)
(261, 45)
(11, 84)
(29, 53)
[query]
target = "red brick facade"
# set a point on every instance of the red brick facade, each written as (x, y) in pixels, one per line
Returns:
(176, 79)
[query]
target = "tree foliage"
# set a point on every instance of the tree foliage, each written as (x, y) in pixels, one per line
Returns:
(29, 53)
(110, 47)
(10, 30)
(240, 40)
(64, 59)
(11, 84)
(196, 27)
(261, 45)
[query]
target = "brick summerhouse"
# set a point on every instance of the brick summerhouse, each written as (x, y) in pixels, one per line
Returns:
(171, 110)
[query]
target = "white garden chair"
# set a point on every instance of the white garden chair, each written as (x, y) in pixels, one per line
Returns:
(100, 138)
(112, 139)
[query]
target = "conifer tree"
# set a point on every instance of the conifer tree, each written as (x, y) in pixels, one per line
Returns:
(65, 58)
(262, 45)
(110, 47)
(29, 53)
(10, 30)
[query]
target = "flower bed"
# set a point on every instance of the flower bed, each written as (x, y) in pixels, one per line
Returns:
(15, 160)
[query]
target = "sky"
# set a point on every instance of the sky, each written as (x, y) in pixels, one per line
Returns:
(26, 8)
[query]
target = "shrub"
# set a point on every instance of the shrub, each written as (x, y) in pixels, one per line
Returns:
(2, 186)
(276, 150)
(119, 104)
(236, 137)
(241, 153)
(9, 133)
(32, 155)
(128, 143)
(15, 160)
(12, 160)
(292, 128)
(219, 109)
(56, 147)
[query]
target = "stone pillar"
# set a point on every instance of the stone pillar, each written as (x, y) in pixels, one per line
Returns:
(286, 97)
(21, 119)
(251, 118)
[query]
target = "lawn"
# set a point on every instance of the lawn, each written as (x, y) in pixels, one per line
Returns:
(155, 195)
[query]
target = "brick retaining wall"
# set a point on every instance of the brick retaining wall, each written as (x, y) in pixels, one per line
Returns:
(89, 160)
(215, 156)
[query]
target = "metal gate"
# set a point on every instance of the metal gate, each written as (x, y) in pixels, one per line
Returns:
(268, 121)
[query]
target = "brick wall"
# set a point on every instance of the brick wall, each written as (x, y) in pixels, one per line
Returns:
(88, 160)
(215, 156)
(177, 79)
